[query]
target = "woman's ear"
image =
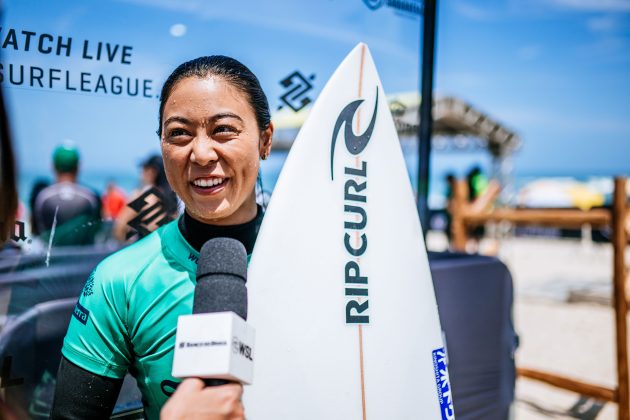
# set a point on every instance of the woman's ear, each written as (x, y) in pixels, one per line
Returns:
(266, 141)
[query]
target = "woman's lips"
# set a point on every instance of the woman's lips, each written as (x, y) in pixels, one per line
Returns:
(205, 189)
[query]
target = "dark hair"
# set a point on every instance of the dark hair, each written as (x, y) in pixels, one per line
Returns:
(170, 199)
(8, 189)
(227, 68)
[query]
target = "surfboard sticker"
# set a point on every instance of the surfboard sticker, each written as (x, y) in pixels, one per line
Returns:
(340, 291)
(443, 384)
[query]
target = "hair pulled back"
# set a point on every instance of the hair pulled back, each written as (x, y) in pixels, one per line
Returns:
(230, 70)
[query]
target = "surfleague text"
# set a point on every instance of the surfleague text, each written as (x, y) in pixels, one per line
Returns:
(86, 82)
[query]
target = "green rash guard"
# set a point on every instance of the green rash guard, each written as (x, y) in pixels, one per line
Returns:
(126, 316)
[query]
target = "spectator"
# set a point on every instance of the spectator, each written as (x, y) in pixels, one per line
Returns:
(149, 207)
(114, 201)
(38, 186)
(72, 209)
(477, 183)
(450, 187)
(8, 190)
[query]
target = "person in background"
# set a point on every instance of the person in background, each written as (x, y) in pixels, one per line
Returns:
(38, 186)
(114, 201)
(450, 187)
(477, 183)
(482, 194)
(149, 207)
(8, 189)
(72, 209)
(9, 207)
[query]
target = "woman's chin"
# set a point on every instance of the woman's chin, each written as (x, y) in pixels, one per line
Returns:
(222, 213)
(209, 214)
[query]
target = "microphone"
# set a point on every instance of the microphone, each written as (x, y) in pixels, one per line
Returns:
(221, 277)
(215, 343)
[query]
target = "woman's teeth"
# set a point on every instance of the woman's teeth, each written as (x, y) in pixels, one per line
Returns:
(206, 183)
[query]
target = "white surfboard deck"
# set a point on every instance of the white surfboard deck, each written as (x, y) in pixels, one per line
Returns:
(327, 347)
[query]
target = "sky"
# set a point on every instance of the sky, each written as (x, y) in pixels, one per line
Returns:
(557, 72)
(115, 131)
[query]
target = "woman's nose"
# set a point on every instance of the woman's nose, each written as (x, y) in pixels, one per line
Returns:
(203, 151)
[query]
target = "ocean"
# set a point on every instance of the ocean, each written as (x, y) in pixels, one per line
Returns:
(441, 164)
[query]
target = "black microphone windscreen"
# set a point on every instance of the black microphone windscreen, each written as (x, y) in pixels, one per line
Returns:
(221, 277)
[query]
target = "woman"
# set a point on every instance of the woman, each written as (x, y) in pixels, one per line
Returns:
(214, 127)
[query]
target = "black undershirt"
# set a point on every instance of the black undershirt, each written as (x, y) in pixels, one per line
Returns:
(197, 233)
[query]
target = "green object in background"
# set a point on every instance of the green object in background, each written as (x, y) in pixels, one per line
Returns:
(479, 185)
(66, 158)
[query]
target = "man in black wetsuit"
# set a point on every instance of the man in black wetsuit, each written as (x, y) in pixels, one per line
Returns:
(73, 210)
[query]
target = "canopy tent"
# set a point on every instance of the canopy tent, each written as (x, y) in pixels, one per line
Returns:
(457, 125)
(452, 118)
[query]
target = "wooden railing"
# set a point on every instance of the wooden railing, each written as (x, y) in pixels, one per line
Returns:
(465, 216)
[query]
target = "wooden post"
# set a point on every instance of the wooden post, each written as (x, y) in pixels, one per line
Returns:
(564, 382)
(619, 242)
(459, 204)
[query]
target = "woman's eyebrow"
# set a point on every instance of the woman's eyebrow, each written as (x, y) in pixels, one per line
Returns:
(224, 115)
(212, 119)
(176, 119)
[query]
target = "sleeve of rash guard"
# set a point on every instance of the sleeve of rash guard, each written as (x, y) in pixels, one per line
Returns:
(80, 394)
(97, 338)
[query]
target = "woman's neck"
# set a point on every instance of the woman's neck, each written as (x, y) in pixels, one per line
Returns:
(197, 233)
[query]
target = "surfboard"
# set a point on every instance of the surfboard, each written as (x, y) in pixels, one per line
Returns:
(339, 287)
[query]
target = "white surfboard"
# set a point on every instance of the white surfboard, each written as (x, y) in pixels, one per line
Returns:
(340, 292)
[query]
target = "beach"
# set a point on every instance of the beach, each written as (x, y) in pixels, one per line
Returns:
(564, 319)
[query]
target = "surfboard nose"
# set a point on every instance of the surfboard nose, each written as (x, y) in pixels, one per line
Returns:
(334, 282)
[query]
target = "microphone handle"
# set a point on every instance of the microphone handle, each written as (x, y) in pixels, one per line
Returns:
(216, 382)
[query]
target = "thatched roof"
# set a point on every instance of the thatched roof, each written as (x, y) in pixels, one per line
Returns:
(456, 124)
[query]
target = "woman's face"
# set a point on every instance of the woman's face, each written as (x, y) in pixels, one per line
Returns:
(211, 146)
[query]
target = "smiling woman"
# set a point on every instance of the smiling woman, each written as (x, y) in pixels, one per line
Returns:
(211, 150)
(214, 128)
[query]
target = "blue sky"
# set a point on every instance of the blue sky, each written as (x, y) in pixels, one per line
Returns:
(272, 38)
(555, 71)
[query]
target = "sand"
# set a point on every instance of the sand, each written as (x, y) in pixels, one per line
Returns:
(563, 315)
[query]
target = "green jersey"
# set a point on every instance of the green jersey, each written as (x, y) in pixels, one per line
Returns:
(126, 316)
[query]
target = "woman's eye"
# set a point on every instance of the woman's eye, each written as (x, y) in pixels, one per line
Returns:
(177, 133)
(225, 129)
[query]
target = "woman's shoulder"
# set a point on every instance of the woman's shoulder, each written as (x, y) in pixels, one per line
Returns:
(131, 261)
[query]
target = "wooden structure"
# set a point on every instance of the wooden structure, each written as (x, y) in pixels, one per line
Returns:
(464, 217)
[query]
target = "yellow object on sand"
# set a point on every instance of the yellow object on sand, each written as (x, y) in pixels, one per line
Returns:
(585, 198)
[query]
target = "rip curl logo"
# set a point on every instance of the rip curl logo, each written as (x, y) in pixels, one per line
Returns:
(355, 144)
(355, 238)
